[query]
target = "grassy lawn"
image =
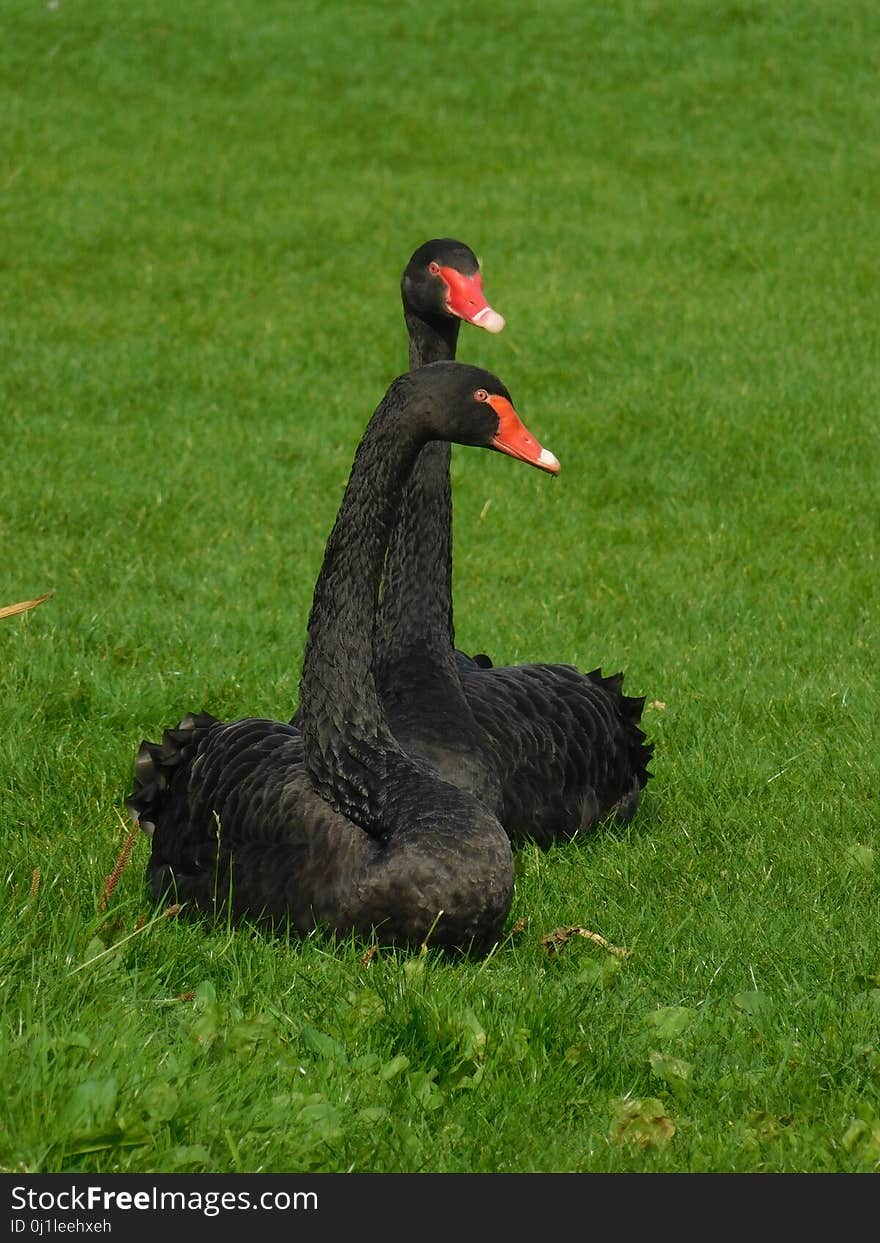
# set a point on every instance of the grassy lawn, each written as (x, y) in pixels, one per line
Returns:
(206, 210)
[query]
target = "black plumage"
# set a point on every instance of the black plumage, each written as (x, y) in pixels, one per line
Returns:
(335, 824)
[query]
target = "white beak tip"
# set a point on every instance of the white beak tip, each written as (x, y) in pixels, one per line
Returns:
(489, 319)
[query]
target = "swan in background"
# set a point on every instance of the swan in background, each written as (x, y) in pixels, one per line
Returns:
(552, 750)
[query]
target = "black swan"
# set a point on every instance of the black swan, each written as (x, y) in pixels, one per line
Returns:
(553, 751)
(334, 825)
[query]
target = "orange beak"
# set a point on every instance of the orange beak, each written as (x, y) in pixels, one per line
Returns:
(515, 439)
(467, 300)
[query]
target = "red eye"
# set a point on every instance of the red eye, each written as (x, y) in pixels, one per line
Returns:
(481, 395)
(434, 269)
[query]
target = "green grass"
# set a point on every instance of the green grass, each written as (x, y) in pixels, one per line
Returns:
(205, 215)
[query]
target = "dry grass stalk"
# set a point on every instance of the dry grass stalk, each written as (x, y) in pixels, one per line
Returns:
(113, 879)
(35, 883)
(554, 941)
(9, 610)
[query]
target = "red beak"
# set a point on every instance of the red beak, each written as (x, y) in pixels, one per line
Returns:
(467, 300)
(515, 439)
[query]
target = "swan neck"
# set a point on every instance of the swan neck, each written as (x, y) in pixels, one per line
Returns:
(416, 606)
(347, 741)
(432, 339)
(415, 614)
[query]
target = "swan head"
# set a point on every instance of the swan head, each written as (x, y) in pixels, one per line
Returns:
(443, 280)
(471, 406)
